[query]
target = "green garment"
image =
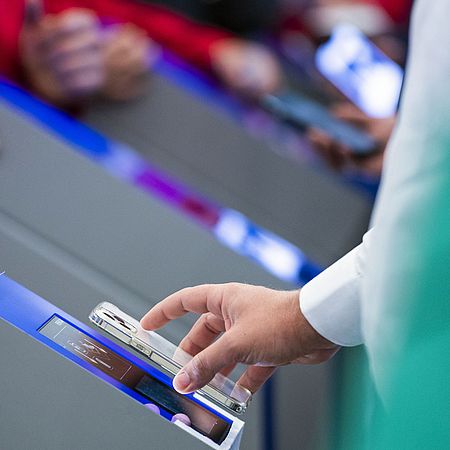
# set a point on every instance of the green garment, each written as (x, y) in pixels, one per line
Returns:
(406, 291)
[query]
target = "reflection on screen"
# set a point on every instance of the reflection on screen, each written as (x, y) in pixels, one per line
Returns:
(80, 344)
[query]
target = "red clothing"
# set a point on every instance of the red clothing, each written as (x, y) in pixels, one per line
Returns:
(399, 10)
(183, 37)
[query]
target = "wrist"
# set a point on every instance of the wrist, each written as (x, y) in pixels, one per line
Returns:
(315, 348)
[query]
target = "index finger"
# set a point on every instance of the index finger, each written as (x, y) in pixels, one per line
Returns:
(199, 299)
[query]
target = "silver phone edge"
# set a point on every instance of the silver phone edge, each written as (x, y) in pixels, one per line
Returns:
(149, 352)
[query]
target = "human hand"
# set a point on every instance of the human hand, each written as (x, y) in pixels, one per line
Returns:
(339, 156)
(61, 53)
(128, 55)
(246, 67)
(240, 323)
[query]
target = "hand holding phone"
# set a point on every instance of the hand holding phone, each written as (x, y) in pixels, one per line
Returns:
(166, 355)
(305, 114)
(338, 156)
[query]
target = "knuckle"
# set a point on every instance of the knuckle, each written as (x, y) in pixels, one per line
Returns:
(186, 290)
(208, 322)
(233, 287)
(206, 286)
(189, 346)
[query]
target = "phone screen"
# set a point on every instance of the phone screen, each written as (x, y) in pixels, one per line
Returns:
(80, 344)
(361, 71)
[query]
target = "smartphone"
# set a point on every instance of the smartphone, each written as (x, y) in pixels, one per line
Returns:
(166, 355)
(302, 113)
(361, 71)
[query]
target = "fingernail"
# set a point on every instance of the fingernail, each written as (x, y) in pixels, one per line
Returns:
(182, 381)
(153, 408)
(182, 418)
(143, 324)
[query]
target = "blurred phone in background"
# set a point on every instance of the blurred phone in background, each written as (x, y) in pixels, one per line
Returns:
(304, 113)
(361, 71)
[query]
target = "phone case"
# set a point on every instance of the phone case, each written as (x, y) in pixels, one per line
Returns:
(166, 355)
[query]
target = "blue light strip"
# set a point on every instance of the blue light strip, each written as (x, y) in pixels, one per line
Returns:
(276, 255)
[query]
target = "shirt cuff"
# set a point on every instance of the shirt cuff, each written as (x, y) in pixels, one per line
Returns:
(331, 301)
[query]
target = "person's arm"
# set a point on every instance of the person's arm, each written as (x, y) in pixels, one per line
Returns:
(264, 328)
(61, 55)
(243, 66)
(184, 37)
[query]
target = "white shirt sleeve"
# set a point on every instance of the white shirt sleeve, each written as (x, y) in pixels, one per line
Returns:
(331, 301)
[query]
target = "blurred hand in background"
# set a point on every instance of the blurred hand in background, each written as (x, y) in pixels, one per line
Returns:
(68, 57)
(128, 55)
(61, 54)
(339, 156)
(245, 67)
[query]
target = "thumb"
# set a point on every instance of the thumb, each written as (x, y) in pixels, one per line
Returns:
(205, 365)
(34, 12)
